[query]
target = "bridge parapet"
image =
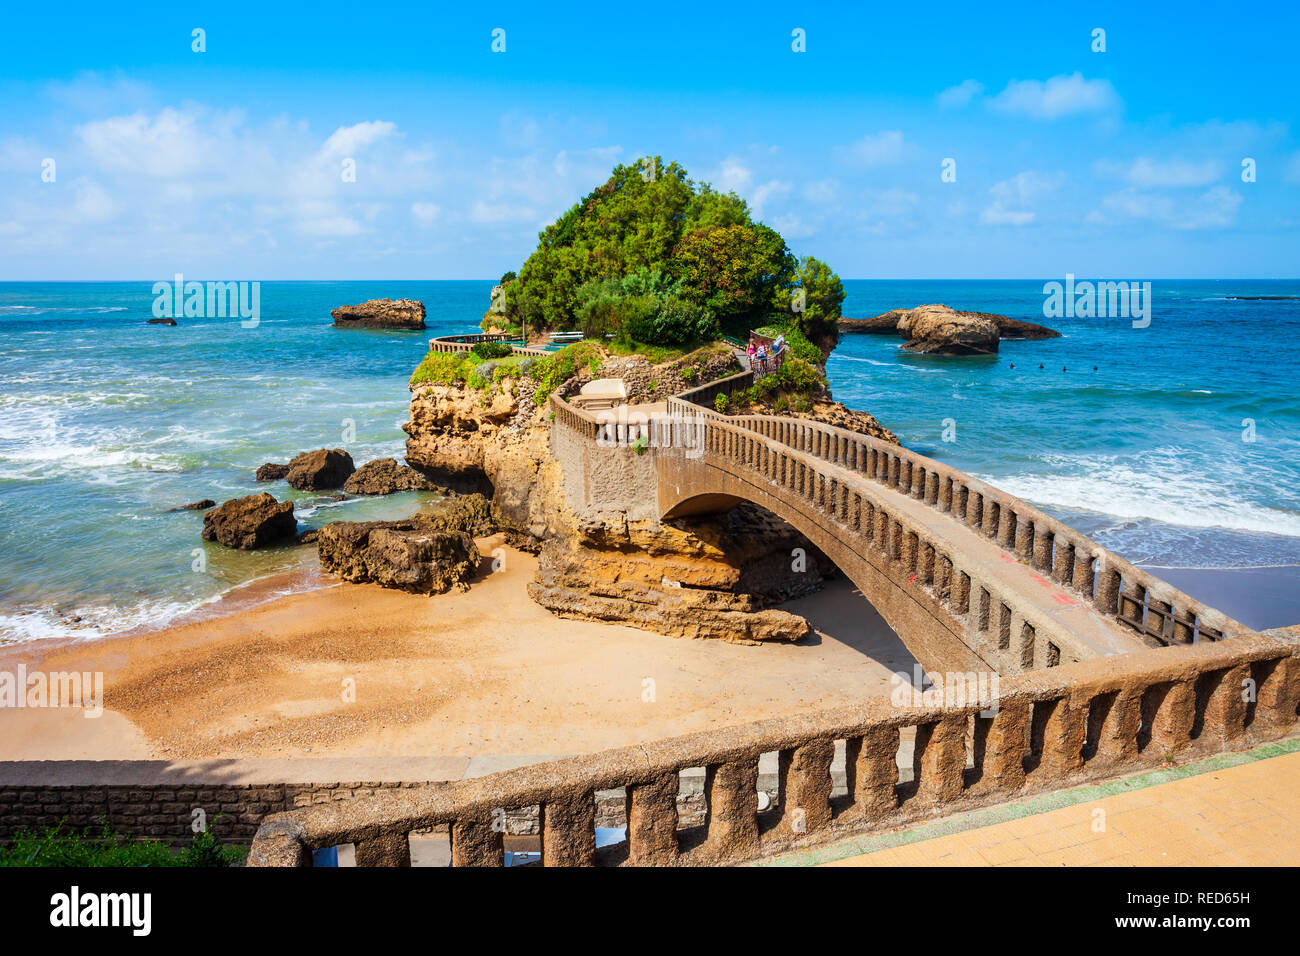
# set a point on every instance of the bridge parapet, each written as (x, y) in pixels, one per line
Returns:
(1044, 730)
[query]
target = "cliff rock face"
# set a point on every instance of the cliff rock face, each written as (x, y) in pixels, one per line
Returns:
(381, 314)
(712, 577)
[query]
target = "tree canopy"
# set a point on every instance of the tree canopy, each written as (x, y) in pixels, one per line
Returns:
(652, 253)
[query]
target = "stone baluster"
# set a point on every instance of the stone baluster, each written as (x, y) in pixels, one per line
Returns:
(1003, 767)
(1172, 717)
(1063, 738)
(805, 783)
(476, 843)
(1224, 718)
(568, 824)
(652, 821)
(871, 772)
(731, 822)
(939, 759)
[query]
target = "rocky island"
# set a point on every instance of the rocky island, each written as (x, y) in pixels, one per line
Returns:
(940, 330)
(380, 314)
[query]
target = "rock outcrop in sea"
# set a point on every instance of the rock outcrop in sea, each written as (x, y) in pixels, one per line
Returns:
(940, 330)
(319, 470)
(381, 314)
(383, 476)
(253, 521)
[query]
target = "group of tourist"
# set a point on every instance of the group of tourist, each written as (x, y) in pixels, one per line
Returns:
(764, 358)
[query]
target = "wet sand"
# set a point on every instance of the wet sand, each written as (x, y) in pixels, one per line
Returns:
(358, 670)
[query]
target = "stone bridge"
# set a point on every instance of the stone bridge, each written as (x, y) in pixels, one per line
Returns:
(969, 577)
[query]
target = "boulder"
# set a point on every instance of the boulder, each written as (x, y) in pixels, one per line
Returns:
(383, 476)
(320, 470)
(203, 504)
(409, 555)
(253, 521)
(272, 471)
(162, 321)
(939, 330)
(467, 514)
(381, 314)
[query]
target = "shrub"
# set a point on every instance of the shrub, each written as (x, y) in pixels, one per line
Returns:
(689, 373)
(720, 403)
(442, 368)
(782, 403)
(485, 371)
(640, 445)
(491, 350)
(678, 321)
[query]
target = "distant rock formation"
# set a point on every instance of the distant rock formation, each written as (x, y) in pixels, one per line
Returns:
(320, 470)
(253, 521)
(203, 504)
(381, 314)
(162, 321)
(940, 330)
(383, 476)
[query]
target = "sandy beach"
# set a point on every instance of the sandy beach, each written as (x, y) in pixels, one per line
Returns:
(357, 670)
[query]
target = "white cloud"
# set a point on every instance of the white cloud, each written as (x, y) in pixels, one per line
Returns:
(881, 149)
(169, 145)
(426, 213)
(1060, 96)
(1147, 172)
(955, 97)
(758, 199)
(1013, 197)
(732, 176)
(822, 191)
(92, 204)
(1216, 208)
(350, 140)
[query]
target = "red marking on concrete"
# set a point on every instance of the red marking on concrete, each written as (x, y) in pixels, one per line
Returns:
(1061, 599)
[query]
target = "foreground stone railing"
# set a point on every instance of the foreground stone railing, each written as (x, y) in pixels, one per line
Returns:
(466, 343)
(1045, 730)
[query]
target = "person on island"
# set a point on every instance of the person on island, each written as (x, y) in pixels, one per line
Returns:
(762, 357)
(777, 348)
(750, 352)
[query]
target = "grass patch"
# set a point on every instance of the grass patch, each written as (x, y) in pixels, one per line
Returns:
(57, 846)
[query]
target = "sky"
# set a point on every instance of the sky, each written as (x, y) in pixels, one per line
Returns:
(373, 141)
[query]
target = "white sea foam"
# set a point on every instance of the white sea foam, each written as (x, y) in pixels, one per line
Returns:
(1172, 497)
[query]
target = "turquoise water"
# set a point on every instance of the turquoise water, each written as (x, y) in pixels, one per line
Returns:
(106, 423)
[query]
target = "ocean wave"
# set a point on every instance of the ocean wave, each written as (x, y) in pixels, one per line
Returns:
(1110, 488)
(33, 624)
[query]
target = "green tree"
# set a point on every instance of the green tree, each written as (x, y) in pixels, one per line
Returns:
(735, 271)
(821, 300)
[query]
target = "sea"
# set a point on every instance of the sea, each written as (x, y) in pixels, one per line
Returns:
(1175, 442)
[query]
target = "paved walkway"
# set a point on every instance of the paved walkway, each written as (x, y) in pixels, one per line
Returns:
(1235, 810)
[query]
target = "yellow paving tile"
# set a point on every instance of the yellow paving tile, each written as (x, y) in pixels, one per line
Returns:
(1239, 816)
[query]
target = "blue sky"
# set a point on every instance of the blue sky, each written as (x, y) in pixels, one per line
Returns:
(229, 163)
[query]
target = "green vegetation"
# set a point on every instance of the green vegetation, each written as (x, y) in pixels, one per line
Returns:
(552, 371)
(443, 368)
(55, 846)
(651, 257)
(491, 350)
